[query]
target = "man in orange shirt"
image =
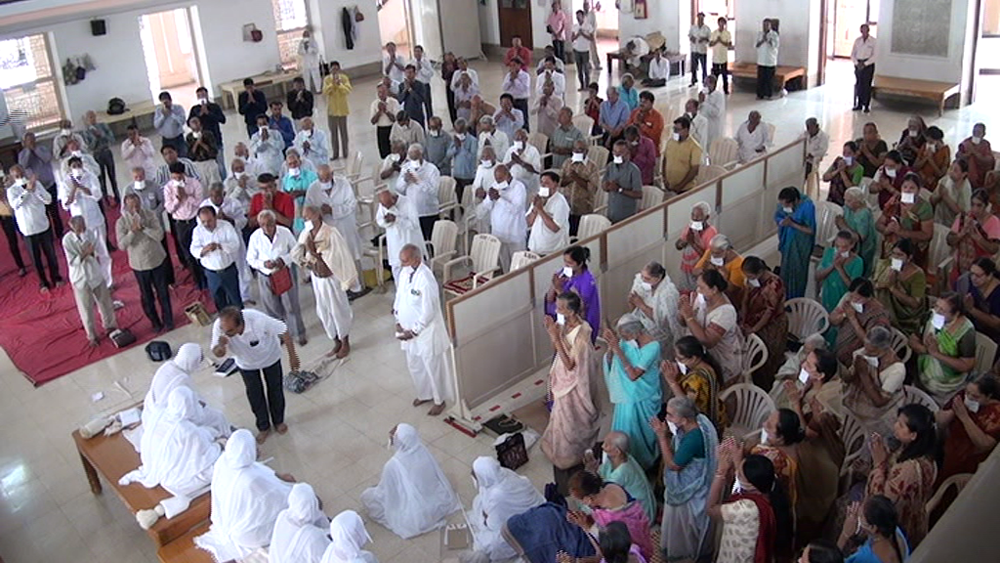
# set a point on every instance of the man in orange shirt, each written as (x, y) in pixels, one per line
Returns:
(648, 120)
(518, 51)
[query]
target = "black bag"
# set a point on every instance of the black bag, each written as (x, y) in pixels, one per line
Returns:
(503, 424)
(159, 351)
(512, 453)
(300, 381)
(116, 106)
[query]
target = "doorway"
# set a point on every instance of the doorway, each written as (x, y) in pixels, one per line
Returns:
(515, 19)
(171, 57)
(848, 16)
(394, 26)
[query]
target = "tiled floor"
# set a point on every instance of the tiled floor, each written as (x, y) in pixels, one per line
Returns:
(338, 430)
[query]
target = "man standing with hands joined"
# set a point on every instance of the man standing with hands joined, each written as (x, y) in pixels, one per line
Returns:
(309, 57)
(169, 123)
(254, 339)
(863, 57)
(421, 329)
(767, 59)
(699, 36)
(559, 26)
(89, 285)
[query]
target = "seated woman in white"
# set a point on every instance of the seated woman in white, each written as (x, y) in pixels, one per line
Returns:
(348, 535)
(502, 493)
(177, 455)
(247, 497)
(300, 531)
(176, 372)
(413, 496)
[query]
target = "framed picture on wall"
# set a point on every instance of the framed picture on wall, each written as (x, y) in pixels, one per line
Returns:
(639, 11)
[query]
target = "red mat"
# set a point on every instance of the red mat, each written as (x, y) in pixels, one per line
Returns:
(42, 333)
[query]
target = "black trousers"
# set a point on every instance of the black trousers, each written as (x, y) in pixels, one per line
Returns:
(37, 244)
(722, 70)
(460, 185)
(270, 408)
(522, 104)
(9, 224)
(52, 210)
(697, 58)
(427, 225)
(574, 224)
(155, 281)
(185, 230)
(452, 108)
(765, 81)
(169, 262)
(224, 287)
(106, 161)
(559, 46)
(382, 136)
(179, 144)
(863, 85)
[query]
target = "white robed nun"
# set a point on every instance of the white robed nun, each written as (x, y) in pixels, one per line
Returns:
(247, 497)
(349, 535)
(414, 495)
(174, 373)
(502, 494)
(300, 530)
(177, 454)
(663, 299)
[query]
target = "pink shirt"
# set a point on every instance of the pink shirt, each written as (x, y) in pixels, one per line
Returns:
(560, 24)
(186, 209)
(690, 256)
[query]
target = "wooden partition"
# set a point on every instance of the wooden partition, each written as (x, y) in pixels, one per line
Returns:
(496, 330)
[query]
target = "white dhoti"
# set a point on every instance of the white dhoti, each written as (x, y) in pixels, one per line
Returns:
(431, 375)
(348, 228)
(209, 172)
(507, 250)
(310, 73)
(332, 307)
(244, 271)
(101, 251)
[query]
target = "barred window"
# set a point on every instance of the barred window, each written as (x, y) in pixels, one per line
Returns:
(290, 18)
(28, 82)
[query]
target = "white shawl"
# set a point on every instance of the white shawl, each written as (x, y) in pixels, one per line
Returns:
(414, 495)
(300, 530)
(333, 247)
(246, 499)
(502, 494)
(349, 536)
(664, 326)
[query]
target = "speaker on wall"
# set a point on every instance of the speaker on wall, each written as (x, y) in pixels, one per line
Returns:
(98, 27)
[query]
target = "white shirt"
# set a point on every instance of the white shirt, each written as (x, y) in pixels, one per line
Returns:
(318, 151)
(395, 73)
(142, 156)
(767, 53)
(863, 50)
(404, 230)
(456, 78)
(542, 240)
(260, 344)
(518, 87)
(424, 191)
(232, 207)
(391, 108)
(270, 152)
(223, 234)
(699, 130)
(497, 139)
(507, 220)
(417, 305)
(340, 198)
(558, 82)
(529, 154)
(750, 142)
(540, 67)
(244, 194)
(695, 35)
(261, 249)
(425, 71)
(308, 49)
(714, 110)
(659, 68)
(83, 204)
(816, 146)
(29, 208)
(581, 43)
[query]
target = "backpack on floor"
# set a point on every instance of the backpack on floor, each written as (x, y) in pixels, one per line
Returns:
(158, 351)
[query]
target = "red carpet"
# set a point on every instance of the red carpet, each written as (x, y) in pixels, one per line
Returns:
(42, 333)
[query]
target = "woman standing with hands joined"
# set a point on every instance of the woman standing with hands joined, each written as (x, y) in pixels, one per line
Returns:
(763, 313)
(711, 318)
(572, 425)
(575, 277)
(907, 216)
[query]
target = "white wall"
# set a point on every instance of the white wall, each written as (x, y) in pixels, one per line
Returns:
(922, 67)
(800, 22)
(671, 18)
(489, 22)
(327, 20)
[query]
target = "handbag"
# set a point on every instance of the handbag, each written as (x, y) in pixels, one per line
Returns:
(511, 453)
(280, 281)
(121, 338)
(158, 351)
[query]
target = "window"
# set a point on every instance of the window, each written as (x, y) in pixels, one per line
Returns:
(290, 18)
(29, 87)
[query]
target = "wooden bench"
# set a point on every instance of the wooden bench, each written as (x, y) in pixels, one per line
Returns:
(938, 92)
(183, 550)
(142, 112)
(782, 74)
(279, 80)
(112, 457)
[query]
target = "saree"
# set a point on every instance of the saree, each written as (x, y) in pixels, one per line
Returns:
(786, 468)
(584, 285)
(728, 352)
(977, 171)
(752, 524)
(847, 341)
(664, 325)
(768, 300)
(820, 458)
(632, 478)
(862, 222)
(633, 515)
(960, 193)
(907, 319)
(875, 418)
(702, 385)
(684, 530)
(838, 187)
(968, 250)
(834, 288)
(635, 402)
(960, 454)
(910, 219)
(796, 247)
(909, 485)
(572, 425)
(690, 257)
(941, 380)
(543, 531)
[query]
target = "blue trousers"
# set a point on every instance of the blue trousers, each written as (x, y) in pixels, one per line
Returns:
(224, 287)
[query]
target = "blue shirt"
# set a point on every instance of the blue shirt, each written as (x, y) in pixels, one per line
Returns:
(614, 115)
(629, 96)
(465, 164)
(295, 183)
(284, 126)
(171, 125)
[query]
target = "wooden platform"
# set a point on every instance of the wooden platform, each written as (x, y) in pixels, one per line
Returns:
(782, 74)
(938, 92)
(183, 549)
(112, 457)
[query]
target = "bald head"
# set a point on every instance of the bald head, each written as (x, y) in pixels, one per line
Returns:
(410, 256)
(324, 172)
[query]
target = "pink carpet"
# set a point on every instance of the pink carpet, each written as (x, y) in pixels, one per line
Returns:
(42, 333)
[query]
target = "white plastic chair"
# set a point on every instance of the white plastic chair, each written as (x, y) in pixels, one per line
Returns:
(599, 155)
(723, 152)
(540, 141)
(353, 169)
(484, 258)
(939, 257)
(826, 222)
(447, 199)
(750, 407)
(852, 434)
(651, 197)
(591, 225)
(771, 129)
(601, 200)
(754, 357)
(709, 172)
(986, 350)
(901, 345)
(805, 317)
(522, 258)
(913, 395)
(958, 481)
(584, 123)
(443, 244)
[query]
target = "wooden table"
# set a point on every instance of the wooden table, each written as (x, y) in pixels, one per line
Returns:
(782, 74)
(139, 111)
(112, 457)
(279, 80)
(938, 92)
(677, 61)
